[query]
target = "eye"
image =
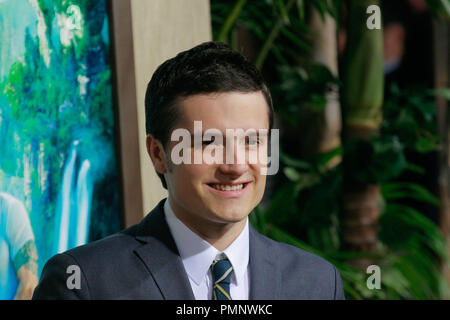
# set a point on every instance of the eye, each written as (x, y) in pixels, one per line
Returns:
(208, 142)
(205, 143)
(252, 141)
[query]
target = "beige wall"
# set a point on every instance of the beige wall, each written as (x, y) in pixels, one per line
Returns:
(161, 29)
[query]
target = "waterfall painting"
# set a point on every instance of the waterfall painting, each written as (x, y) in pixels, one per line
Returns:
(59, 184)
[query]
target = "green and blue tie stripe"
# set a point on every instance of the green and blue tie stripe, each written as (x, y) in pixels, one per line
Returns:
(221, 271)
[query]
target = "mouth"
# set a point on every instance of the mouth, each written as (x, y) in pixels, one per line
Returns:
(229, 190)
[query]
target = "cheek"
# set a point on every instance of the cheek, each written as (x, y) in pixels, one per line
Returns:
(259, 155)
(260, 179)
(261, 184)
(258, 165)
(190, 174)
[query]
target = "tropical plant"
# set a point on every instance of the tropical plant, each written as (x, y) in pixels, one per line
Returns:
(307, 211)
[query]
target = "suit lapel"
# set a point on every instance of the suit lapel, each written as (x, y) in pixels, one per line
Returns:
(160, 256)
(265, 278)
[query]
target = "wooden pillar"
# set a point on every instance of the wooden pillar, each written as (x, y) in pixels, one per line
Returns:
(126, 116)
(145, 34)
(161, 29)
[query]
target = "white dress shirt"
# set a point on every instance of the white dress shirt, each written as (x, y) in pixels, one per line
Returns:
(197, 256)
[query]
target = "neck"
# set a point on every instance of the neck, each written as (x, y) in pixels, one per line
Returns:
(219, 234)
(221, 237)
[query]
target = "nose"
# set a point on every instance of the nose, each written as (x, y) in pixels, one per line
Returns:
(235, 160)
(233, 170)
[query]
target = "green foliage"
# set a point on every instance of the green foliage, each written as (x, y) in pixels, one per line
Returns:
(305, 211)
(439, 8)
(309, 85)
(261, 17)
(410, 115)
(404, 190)
(415, 244)
(332, 7)
(376, 160)
(444, 93)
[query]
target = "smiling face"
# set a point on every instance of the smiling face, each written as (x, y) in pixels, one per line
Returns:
(211, 196)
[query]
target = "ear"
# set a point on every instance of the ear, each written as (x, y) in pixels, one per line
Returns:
(156, 152)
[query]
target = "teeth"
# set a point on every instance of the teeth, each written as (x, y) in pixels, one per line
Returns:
(227, 187)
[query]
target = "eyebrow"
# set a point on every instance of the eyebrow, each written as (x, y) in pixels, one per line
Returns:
(255, 132)
(224, 136)
(248, 134)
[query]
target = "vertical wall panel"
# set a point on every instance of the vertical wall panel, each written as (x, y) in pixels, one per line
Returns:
(161, 29)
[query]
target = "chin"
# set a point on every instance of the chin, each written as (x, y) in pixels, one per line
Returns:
(232, 215)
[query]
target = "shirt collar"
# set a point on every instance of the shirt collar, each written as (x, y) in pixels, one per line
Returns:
(197, 254)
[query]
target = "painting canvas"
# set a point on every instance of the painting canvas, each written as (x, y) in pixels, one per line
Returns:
(59, 183)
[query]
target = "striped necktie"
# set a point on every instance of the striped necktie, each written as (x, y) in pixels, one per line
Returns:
(221, 271)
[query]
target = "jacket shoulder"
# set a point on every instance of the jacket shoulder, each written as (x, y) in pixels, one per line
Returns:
(110, 248)
(99, 266)
(304, 275)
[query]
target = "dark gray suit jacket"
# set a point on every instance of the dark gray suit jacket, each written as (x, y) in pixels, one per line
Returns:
(142, 262)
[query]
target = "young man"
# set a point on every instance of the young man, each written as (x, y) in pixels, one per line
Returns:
(197, 243)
